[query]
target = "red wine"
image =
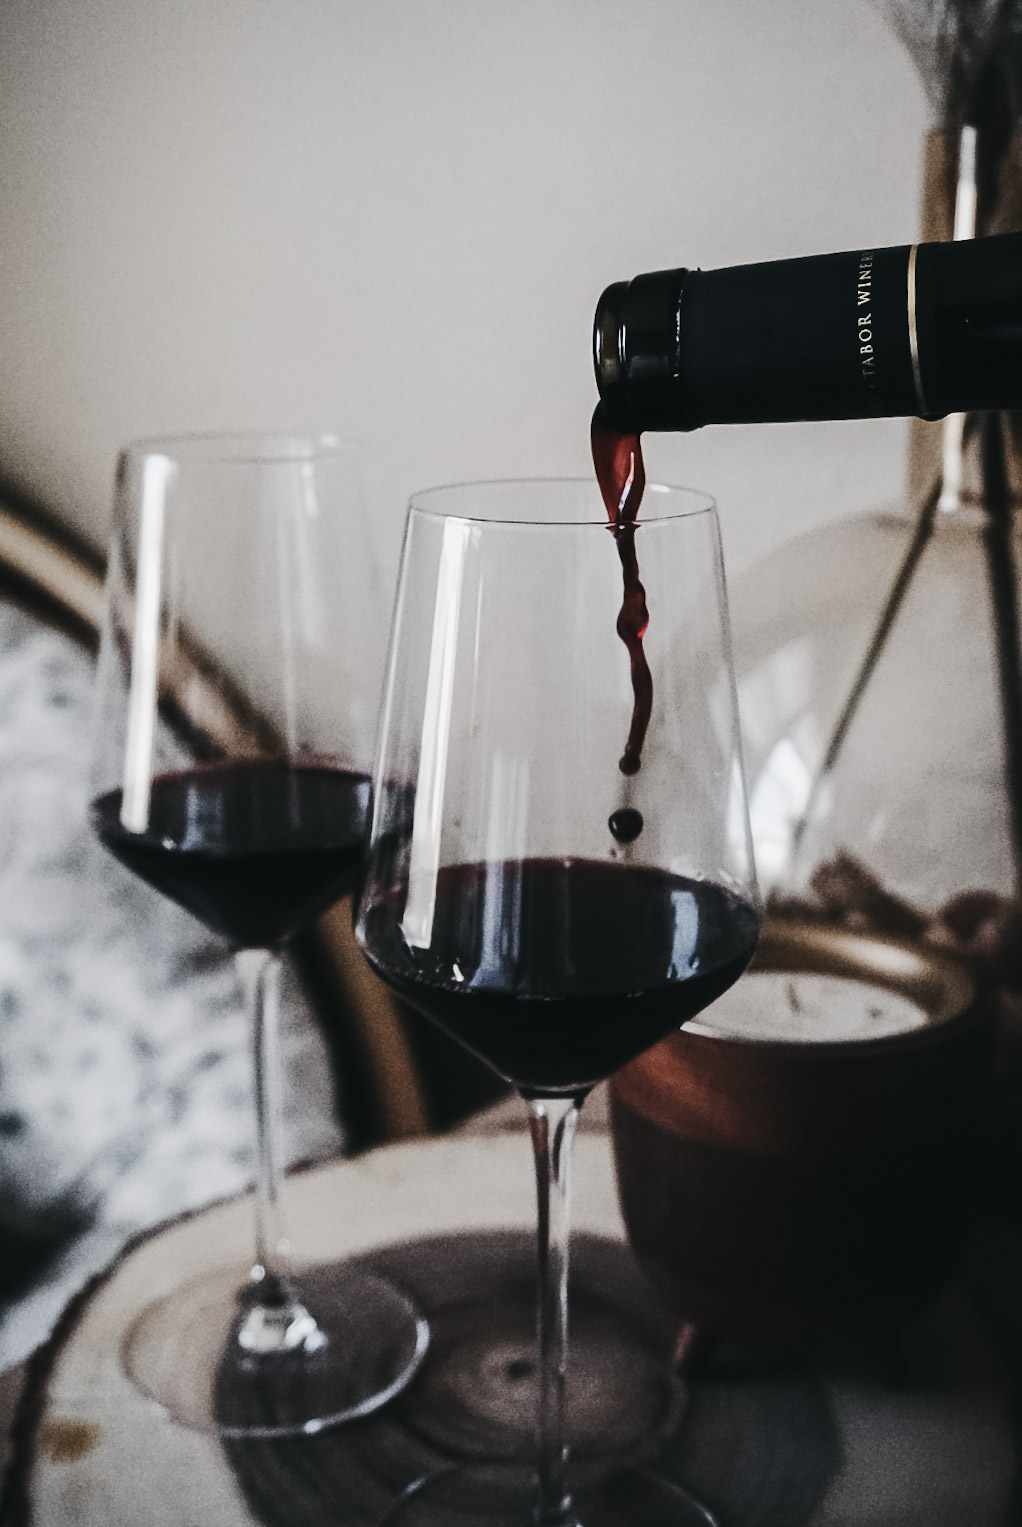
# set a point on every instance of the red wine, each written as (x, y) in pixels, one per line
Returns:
(253, 849)
(621, 474)
(625, 824)
(556, 972)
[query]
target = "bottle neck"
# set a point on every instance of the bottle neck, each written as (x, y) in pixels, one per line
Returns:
(914, 330)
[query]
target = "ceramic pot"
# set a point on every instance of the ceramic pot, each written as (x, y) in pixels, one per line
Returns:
(782, 1190)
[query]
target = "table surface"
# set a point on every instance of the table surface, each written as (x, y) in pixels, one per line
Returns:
(765, 1446)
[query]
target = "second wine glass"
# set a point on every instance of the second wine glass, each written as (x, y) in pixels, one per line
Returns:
(238, 686)
(555, 904)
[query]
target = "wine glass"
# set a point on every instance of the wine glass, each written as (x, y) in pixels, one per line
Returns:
(556, 904)
(238, 684)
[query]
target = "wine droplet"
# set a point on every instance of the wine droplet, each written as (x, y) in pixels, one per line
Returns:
(625, 824)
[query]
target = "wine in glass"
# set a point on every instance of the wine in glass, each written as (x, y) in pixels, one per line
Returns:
(554, 883)
(238, 685)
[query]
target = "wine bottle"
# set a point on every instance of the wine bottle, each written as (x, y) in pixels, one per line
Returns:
(922, 329)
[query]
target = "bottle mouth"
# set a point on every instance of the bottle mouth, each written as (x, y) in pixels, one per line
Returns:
(609, 360)
(607, 357)
(637, 352)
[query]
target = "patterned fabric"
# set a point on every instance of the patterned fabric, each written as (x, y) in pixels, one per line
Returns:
(125, 1086)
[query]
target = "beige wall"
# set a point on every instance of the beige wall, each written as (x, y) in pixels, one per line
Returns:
(394, 219)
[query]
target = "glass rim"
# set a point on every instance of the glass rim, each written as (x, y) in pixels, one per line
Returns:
(699, 502)
(241, 447)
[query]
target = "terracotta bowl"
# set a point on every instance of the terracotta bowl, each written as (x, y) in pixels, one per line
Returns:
(780, 1192)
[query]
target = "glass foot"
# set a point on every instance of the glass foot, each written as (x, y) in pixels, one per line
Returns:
(495, 1496)
(344, 1344)
(285, 1326)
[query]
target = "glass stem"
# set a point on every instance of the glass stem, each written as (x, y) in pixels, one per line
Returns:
(276, 1321)
(260, 975)
(552, 1122)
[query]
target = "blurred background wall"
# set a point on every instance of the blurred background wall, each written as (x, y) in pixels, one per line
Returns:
(392, 218)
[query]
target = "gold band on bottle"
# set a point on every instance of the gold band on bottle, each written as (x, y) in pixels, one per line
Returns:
(913, 332)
